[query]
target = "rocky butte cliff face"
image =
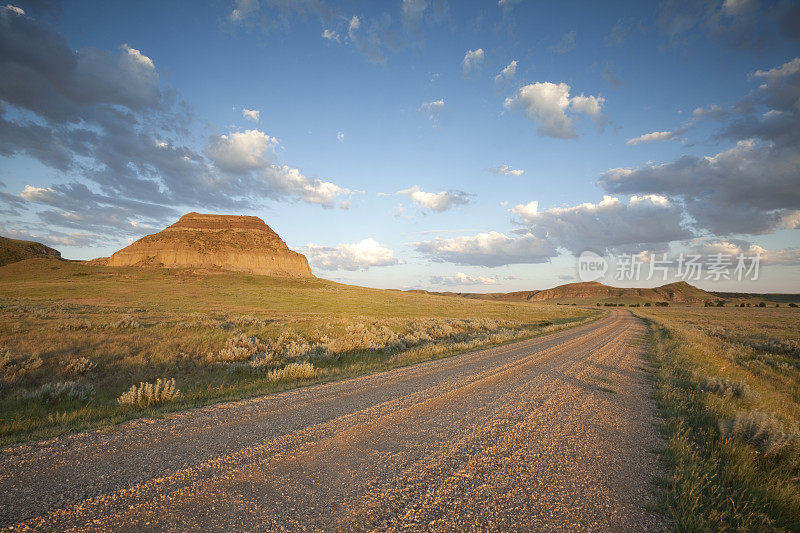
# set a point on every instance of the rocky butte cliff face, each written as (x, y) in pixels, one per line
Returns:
(227, 242)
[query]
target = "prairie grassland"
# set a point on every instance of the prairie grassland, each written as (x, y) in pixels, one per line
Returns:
(84, 345)
(727, 381)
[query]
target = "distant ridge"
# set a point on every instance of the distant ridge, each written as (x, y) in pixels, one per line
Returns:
(678, 292)
(13, 250)
(593, 291)
(224, 242)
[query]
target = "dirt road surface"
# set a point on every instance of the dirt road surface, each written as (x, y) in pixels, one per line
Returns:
(552, 433)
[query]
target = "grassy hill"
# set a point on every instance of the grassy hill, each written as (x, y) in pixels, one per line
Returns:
(745, 297)
(76, 336)
(13, 250)
(680, 292)
(591, 293)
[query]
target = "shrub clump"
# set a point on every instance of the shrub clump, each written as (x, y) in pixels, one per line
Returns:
(238, 348)
(144, 394)
(15, 367)
(248, 320)
(293, 371)
(78, 366)
(61, 391)
(75, 325)
(761, 430)
(258, 364)
(196, 320)
(125, 322)
(728, 388)
(789, 347)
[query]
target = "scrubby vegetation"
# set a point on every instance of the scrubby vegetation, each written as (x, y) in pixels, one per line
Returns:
(727, 388)
(144, 394)
(292, 371)
(216, 336)
(69, 391)
(763, 431)
(727, 381)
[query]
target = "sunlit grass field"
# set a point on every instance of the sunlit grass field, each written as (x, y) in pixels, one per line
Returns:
(727, 381)
(84, 345)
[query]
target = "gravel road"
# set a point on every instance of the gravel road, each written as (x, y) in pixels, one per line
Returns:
(552, 433)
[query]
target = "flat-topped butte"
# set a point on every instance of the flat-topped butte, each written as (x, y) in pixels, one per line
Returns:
(225, 242)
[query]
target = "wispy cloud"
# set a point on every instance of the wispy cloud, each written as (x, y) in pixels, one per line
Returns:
(473, 59)
(567, 43)
(506, 170)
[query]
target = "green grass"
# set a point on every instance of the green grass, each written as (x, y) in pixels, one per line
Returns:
(713, 369)
(221, 336)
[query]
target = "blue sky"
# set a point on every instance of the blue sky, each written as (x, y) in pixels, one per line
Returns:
(388, 137)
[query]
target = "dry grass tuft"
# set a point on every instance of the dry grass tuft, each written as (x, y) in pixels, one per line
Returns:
(145, 394)
(238, 348)
(79, 366)
(16, 367)
(61, 391)
(728, 388)
(761, 430)
(293, 371)
(779, 346)
(126, 322)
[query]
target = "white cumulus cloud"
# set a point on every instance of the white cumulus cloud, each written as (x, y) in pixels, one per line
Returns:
(246, 155)
(435, 201)
(506, 170)
(241, 151)
(490, 249)
(508, 73)
(462, 279)
(285, 181)
(548, 104)
(735, 248)
(588, 105)
(527, 211)
(433, 108)
(472, 60)
(645, 222)
(350, 256)
(139, 57)
(251, 114)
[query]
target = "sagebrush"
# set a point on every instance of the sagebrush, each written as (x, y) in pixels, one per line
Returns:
(143, 394)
